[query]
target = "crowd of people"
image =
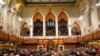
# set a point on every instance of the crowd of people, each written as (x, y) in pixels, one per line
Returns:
(38, 31)
(50, 31)
(63, 31)
(81, 51)
(25, 32)
(76, 32)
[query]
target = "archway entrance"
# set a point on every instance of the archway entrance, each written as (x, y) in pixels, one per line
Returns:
(25, 30)
(76, 29)
(62, 24)
(50, 24)
(38, 24)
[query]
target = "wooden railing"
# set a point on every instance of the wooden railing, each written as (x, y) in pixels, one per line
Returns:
(12, 38)
(9, 38)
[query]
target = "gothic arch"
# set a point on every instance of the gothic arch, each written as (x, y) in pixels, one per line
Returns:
(76, 30)
(50, 24)
(62, 15)
(76, 24)
(25, 31)
(38, 24)
(62, 24)
(51, 16)
(38, 16)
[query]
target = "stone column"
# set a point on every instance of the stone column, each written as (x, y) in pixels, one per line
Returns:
(69, 31)
(18, 26)
(94, 17)
(44, 27)
(31, 27)
(5, 19)
(9, 21)
(56, 26)
(69, 28)
(14, 24)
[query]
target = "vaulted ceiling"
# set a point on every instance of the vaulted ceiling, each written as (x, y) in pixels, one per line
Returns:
(32, 2)
(20, 4)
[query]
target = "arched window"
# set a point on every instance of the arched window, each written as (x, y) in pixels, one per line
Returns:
(38, 24)
(25, 31)
(99, 13)
(76, 29)
(89, 18)
(62, 24)
(50, 24)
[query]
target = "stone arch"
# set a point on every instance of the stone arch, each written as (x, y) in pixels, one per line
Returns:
(62, 15)
(38, 24)
(62, 24)
(50, 24)
(25, 30)
(50, 15)
(38, 16)
(76, 30)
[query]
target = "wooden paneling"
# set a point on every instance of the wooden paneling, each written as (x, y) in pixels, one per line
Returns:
(93, 36)
(70, 46)
(31, 40)
(1, 36)
(70, 40)
(6, 36)
(28, 46)
(7, 46)
(97, 35)
(88, 37)
(81, 39)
